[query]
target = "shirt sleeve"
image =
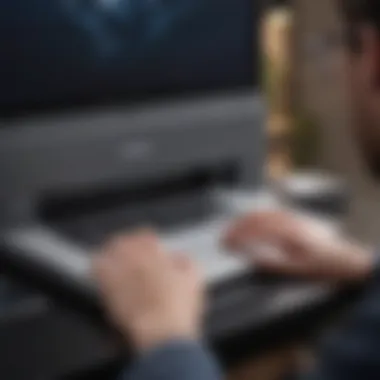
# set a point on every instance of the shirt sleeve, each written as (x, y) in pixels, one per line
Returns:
(179, 360)
(353, 352)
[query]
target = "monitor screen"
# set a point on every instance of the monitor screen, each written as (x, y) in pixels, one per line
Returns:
(65, 53)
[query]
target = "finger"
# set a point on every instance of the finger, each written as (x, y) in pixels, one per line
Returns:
(133, 249)
(256, 225)
(182, 262)
(146, 238)
(118, 261)
(234, 230)
(190, 276)
(117, 280)
(150, 263)
(114, 286)
(145, 245)
(108, 274)
(187, 267)
(252, 223)
(272, 227)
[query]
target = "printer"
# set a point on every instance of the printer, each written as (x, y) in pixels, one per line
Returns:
(186, 169)
(117, 115)
(70, 183)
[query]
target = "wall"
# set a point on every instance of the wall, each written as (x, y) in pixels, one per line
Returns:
(319, 87)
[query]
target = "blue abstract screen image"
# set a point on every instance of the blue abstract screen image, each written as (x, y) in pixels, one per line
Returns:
(68, 52)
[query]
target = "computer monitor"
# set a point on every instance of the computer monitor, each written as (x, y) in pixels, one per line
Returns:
(78, 53)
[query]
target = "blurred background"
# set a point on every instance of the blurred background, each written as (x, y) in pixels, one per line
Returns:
(179, 114)
(309, 115)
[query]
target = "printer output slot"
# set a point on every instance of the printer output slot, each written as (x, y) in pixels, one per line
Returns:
(92, 215)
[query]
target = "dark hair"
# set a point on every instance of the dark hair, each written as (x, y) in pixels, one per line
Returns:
(358, 12)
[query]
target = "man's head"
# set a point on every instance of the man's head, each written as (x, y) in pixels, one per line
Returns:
(362, 19)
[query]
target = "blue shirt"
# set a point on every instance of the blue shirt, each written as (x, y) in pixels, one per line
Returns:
(177, 360)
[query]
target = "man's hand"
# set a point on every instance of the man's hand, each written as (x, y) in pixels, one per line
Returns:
(284, 243)
(150, 296)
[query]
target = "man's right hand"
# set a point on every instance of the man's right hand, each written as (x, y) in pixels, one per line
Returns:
(286, 243)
